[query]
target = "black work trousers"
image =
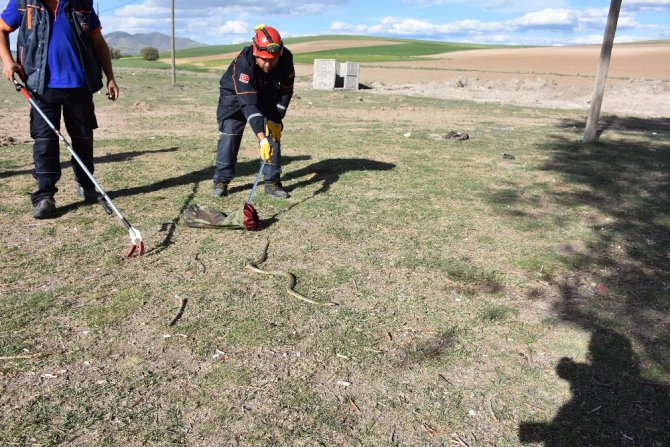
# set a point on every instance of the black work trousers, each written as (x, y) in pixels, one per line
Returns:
(228, 147)
(78, 111)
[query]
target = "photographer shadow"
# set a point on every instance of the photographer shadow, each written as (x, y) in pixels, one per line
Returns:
(611, 404)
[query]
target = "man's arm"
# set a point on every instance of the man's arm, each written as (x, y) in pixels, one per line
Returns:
(10, 19)
(9, 65)
(101, 51)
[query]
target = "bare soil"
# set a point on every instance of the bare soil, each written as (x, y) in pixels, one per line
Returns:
(553, 77)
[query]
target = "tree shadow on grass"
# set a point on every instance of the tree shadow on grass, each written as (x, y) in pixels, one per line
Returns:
(618, 287)
(617, 123)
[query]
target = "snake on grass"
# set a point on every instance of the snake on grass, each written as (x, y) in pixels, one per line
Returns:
(253, 265)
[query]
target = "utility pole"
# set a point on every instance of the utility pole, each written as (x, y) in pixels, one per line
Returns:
(174, 69)
(601, 77)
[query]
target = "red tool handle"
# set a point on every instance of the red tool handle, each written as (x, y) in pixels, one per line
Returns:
(22, 89)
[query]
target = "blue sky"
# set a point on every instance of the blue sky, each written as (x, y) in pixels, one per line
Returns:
(530, 22)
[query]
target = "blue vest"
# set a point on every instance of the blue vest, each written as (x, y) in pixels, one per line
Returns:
(33, 42)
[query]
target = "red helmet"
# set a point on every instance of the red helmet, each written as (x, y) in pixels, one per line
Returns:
(267, 42)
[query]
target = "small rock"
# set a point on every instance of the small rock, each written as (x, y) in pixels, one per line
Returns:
(453, 135)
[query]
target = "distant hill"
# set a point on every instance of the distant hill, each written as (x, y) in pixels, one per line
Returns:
(131, 44)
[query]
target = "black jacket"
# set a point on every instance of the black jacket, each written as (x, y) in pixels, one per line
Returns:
(245, 87)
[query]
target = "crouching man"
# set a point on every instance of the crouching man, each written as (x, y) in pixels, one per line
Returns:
(256, 89)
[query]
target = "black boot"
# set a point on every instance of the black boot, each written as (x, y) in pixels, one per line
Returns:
(220, 189)
(45, 208)
(275, 190)
(89, 194)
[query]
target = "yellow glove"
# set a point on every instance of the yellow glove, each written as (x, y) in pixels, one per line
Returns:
(274, 129)
(265, 150)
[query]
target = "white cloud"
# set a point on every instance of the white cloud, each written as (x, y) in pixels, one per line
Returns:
(209, 20)
(432, 2)
(551, 26)
(547, 18)
(523, 5)
(234, 27)
(496, 5)
(646, 5)
(520, 21)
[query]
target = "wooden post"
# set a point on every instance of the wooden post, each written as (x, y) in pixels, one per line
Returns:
(174, 68)
(601, 77)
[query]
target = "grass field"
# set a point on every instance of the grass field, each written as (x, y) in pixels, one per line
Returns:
(400, 50)
(404, 48)
(483, 299)
(383, 53)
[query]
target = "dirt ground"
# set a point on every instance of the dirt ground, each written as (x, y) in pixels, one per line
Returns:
(554, 77)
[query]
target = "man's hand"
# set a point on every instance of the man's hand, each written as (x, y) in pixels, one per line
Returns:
(8, 71)
(274, 129)
(112, 90)
(265, 150)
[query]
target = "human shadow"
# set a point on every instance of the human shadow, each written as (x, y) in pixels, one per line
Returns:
(611, 404)
(193, 178)
(244, 168)
(109, 158)
(327, 172)
(170, 227)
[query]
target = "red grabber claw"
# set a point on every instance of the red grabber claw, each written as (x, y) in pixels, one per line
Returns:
(137, 245)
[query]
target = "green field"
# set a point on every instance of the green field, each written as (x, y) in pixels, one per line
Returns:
(382, 53)
(399, 50)
(509, 289)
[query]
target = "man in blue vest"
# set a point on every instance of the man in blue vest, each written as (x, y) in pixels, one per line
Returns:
(60, 56)
(256, 89)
